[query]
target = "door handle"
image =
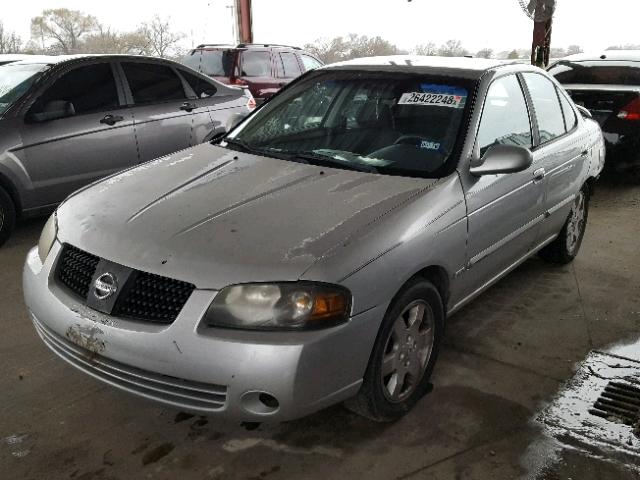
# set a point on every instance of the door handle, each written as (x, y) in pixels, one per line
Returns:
(188, 106)
(584, 153)
(109, 119)
(539, 174)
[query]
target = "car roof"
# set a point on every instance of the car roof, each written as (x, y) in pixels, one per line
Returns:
(630, 55)
(466, 67)
(57, 59)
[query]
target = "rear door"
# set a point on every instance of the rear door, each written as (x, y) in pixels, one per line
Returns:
(162, 111)
(287, 67)
(562, 153)
(93, 139)
(504, 211)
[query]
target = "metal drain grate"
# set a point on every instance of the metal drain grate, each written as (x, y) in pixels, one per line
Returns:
(618, 402)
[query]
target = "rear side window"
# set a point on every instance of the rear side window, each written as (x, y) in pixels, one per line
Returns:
(200, 86)
(505, 117)
(310, 63)
(152, 83)
(290, 66)
(570, 118)
(546, 106)
(256, 64)
(89, 89)
(606, 72)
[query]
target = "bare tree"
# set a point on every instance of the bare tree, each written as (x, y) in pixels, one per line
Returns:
(573, 49)
(10, 42)
(64, 27)
(107, 41)
(352, 46)
(485, 53)
(160, 39)
(426, 49)
(628, 46)
(452, 48)
(513, 54)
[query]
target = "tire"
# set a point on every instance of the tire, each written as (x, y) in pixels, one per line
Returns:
(567, 245)
(7, 216)
(408, 354)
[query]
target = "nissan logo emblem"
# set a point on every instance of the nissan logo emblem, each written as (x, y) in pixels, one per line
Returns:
(105, 286)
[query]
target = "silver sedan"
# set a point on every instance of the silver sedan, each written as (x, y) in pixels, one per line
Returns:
(313, 255)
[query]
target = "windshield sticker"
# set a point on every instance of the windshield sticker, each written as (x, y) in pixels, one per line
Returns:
(427, 145)
(439, 95)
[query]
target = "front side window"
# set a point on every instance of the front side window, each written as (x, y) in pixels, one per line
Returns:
(88, 89)
(256, 64)
(386, 122)
(153, 83)
(505, 117)
(16, 80)
(546, 105)
(310, 63)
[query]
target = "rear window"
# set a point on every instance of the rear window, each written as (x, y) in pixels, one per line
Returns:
(215, 63)
(597, 72)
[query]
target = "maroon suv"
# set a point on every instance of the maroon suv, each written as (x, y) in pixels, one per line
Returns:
(263, 68)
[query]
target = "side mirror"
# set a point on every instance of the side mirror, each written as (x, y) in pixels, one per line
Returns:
(234, 120)
(53, 110)
(503, 159)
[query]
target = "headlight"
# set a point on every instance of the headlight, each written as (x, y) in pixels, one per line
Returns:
(276, 306)
(47, 237)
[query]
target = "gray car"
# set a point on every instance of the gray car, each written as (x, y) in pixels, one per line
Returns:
(313, 255)
(67, 121)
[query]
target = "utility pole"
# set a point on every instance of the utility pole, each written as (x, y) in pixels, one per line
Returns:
(244, 21)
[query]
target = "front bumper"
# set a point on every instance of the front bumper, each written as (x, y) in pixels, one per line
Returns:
(199, 369)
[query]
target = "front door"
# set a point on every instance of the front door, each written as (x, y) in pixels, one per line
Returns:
(505, 210)
(90, 137)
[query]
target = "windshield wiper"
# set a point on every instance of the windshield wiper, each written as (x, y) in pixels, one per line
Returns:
(327, 161)
(244, 147)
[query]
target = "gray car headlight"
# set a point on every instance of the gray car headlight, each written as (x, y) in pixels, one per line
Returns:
(277, 306)
(47, 237)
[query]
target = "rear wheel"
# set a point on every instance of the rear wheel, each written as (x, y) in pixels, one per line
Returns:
(7, 216)
(566, 246)
(404, 354)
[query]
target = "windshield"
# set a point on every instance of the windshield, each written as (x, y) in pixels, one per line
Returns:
(386, 122)
(15, 80)
(605, 72)
(215, 63)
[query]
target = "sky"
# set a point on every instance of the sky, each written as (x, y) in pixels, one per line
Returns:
(497, 24)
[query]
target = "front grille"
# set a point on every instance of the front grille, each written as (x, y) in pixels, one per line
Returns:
(144, 296)
(620, 401)
(178, 392)
(154, 298)
(76, 269)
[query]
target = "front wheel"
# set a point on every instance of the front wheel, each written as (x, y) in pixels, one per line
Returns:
(566, 246)
(404, 354)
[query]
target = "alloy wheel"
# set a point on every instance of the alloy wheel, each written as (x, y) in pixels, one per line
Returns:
(407, 351)
(575, 226)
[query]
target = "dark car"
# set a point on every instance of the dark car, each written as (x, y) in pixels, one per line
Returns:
(263, 68)
(608, 85)
(67, 121)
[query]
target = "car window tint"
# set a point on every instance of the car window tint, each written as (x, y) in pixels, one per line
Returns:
(607, 72)
(151, 83)
(310, 63)
(505, 117)
(200, 86)
(256, 64)
(89, 89)
(216, 63)
(290, 65)
(570, 118)
(546, 106)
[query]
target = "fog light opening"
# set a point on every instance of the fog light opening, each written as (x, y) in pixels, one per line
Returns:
(260, 403)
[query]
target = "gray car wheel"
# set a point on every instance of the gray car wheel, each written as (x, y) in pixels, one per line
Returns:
(566, 246)
(404, 354)
(7, 216)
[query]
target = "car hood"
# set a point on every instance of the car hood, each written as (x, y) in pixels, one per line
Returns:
(214, 217)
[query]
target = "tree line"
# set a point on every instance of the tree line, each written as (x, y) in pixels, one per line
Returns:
(65, 31)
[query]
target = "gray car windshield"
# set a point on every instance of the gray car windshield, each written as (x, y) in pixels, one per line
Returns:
(15, 81)
(382, 122)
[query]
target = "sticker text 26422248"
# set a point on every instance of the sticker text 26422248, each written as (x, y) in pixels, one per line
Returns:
(440, 99)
